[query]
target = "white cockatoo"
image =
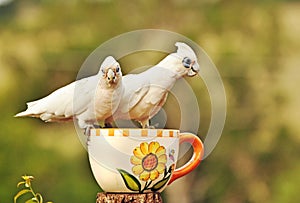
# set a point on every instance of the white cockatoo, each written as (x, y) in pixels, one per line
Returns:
(88, 100)
(145, 93)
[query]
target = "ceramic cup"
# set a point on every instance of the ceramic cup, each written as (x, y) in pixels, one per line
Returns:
(139, 160)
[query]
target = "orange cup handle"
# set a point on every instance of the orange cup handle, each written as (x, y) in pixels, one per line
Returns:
(196, 158)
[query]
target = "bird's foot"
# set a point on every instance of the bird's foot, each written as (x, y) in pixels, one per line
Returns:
(87, 132)
(108, 125)
(97, 126)
(147, 124)
(156, 125)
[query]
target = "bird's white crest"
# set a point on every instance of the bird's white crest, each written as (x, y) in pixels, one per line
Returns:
(185, 50)
(108, 61)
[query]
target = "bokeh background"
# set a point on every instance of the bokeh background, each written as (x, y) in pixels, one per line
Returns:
(254, 44)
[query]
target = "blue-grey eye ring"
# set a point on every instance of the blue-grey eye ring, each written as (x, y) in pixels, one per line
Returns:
(186, 62)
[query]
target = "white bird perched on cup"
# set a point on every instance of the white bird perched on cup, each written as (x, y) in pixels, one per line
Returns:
(88, 100)
(145, 93)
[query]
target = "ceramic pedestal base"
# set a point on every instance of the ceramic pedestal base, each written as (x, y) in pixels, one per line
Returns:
(151, 197)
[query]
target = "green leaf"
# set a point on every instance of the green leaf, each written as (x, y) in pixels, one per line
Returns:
(160, 184)
(20, 193)
(31, 201)
(130, 181)
(40, 197)
(20, 183)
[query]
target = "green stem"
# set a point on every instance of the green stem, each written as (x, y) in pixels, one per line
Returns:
(149, 184)
(166, 173)
(34, 194)
(146, 186)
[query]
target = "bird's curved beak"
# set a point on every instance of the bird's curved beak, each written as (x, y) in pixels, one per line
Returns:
(111, 76)
(194, 69)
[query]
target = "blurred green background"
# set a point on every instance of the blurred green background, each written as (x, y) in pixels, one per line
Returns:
(254, 44)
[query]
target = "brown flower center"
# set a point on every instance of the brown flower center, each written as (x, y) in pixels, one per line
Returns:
(150, 162)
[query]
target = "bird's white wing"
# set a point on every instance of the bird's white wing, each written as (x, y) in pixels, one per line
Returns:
(154, 83)
(54, 103)
(161, 80)
(83, 94)
(65, 102)
(135, 88)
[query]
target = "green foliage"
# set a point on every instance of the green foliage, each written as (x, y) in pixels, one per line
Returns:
(131, 182)
(160, 184)
(27, 189)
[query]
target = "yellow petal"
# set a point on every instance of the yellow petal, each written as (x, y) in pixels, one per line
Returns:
(153, 146)
(145, 176)
(25, 177)
(161, 150)
(138, 153)
(154, 174)
(137, 170)
(161, 167)
(144, 148)
(135, 160)
(162, 159)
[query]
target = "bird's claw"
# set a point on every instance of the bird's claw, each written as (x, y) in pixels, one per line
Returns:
(108, 125)
(87, 132)
(97, 126)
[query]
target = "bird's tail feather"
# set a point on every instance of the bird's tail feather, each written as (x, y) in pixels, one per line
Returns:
(24, 113)
(30, 104)
(29, 111)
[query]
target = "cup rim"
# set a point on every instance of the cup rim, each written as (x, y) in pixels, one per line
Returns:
(136, 129)
(134, 132)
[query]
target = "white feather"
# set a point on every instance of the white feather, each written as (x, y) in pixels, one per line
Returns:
(88, 100)
(145, 93)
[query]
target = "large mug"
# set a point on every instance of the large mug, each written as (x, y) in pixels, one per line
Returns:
(139, 160)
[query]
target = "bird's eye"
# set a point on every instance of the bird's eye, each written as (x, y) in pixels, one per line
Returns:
(118, 69)
(102, 70)
(186, 62)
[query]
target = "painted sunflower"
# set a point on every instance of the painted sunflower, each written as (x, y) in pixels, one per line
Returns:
(149, 160)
